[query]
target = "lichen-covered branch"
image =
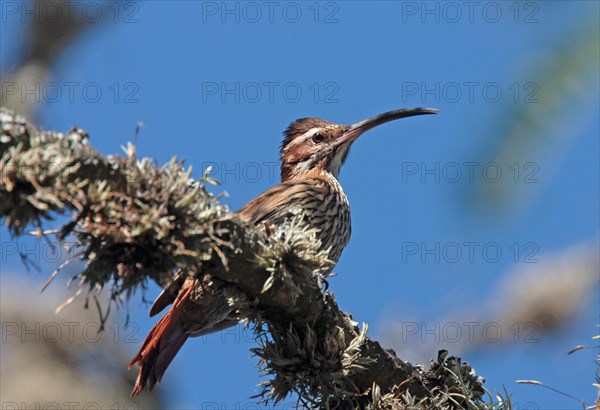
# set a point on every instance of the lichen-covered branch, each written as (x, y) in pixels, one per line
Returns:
(135, 221)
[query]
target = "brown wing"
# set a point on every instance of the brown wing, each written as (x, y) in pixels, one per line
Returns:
(279, 201)
(198, 311)
(271, 205)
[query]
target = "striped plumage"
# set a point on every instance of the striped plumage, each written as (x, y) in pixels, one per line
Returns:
(320, 195)
(312, 154)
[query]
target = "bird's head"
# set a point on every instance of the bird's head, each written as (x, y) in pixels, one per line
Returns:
(313, 144)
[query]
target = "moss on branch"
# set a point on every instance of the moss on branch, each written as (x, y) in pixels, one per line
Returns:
(135, 221)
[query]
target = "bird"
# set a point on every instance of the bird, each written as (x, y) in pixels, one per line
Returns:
(312, 152)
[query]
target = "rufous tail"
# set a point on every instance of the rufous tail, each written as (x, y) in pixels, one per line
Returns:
(160, 347)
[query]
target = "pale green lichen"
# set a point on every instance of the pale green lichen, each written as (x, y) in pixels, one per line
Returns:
(134, 221)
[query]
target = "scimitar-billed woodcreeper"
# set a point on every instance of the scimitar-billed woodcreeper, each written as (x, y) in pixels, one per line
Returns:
(312, 154)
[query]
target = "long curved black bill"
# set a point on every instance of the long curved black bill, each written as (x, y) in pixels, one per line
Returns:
(356, 130)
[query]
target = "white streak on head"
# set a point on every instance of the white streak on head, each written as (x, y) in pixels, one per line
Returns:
(308, 134)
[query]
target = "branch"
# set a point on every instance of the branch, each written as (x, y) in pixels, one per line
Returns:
(53, 27)
(136, 222)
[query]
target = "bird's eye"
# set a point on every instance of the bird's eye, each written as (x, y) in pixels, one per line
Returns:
(317, 138)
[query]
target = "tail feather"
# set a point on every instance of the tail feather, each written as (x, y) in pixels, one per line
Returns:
(160, 347)
(168, 294)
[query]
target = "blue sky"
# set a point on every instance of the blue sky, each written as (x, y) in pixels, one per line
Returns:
(217, 83)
